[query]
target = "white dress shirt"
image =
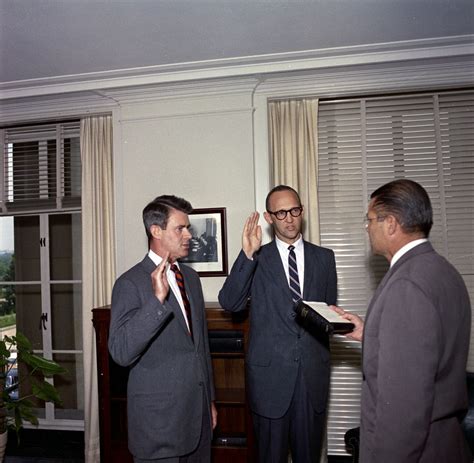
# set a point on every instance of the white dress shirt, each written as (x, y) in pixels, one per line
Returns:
(171, 277)
(299, 253)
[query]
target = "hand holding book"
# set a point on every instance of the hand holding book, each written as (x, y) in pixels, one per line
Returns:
(319, 316)
(357, 333)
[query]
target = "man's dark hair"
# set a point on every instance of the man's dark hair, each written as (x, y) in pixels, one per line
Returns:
(408, 202)
(158, 211)
(280, 188)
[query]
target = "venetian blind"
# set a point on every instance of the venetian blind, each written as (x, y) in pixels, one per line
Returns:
(364, 143)
(41, 168)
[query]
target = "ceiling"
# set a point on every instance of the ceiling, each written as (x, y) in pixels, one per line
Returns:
(42, 39)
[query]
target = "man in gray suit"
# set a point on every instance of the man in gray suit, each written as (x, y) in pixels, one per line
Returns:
(158, 329)
(415, 339)
(287, 367)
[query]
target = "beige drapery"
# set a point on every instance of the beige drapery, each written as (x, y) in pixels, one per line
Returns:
(98, 257)
(294, 162)
(294, 154)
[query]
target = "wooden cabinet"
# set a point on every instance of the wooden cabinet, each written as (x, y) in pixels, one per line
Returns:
(112, 387)
(233, 438)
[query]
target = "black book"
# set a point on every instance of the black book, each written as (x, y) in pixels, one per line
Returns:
(318, 316)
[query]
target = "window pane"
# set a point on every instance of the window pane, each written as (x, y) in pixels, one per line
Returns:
(28, 313)
(27, 249)
(65, 246)
(70, 387)
(66, 319)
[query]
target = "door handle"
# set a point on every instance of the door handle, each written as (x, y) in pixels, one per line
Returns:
(43, 320)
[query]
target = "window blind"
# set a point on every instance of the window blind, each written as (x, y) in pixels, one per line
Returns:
(364, 143)
(41, 168)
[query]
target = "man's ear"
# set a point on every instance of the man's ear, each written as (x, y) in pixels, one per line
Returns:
(268, 217)
(156, 232)
(392, 224)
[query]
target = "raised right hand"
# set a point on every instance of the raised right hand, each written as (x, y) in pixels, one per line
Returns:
(159, 280)
(251, 235)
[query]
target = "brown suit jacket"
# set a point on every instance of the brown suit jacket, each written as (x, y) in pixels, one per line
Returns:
(415, 346)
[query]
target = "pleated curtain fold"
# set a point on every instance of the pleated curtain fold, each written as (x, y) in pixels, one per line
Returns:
(98, 257)
(294, 154)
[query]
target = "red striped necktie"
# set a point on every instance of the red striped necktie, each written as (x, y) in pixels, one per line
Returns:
(182, 290)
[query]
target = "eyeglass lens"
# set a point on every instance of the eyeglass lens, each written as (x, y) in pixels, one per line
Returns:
(295, 212)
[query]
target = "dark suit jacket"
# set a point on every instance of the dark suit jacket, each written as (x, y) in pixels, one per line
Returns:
(278, 346)
(416, 339)
(170, 376)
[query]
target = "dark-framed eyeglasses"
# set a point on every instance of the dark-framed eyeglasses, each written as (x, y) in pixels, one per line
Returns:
(281, 214)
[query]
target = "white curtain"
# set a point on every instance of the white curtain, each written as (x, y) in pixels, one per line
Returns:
(294, 154)
(294, 162)
(98, 257)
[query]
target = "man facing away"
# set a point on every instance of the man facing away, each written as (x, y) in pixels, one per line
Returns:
(287, 367)
(158, 329)
(415, 338)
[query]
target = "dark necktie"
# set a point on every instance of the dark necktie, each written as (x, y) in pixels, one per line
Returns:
(182, 290)
(293, 272)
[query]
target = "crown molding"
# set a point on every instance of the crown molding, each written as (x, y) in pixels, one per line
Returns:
(424, 74)
(261, 65)
(192, 90)
(55, 107)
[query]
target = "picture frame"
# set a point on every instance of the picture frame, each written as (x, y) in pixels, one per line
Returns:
(208, 246)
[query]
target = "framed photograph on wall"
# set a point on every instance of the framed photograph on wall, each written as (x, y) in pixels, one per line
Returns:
(208, 246)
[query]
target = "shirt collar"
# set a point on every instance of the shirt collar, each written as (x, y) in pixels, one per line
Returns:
(157, 259)
(298, 244)
(404, 249)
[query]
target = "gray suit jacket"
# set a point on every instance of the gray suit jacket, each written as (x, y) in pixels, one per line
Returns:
(170, 376)
(416, 339)
(278, 346)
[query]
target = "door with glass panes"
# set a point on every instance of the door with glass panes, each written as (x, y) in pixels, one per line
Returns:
(43, 286)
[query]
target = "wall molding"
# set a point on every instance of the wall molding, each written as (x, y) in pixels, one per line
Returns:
(449, 72)
(186, 115)
(262, 65)
(55, 107)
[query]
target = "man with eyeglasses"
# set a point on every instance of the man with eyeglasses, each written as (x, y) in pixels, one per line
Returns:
(415, 338)
(287, 366)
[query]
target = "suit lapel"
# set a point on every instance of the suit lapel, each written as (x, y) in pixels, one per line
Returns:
(173, 303)
(195, 309)
(309, 270)
(273, 261)
(379, 289)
